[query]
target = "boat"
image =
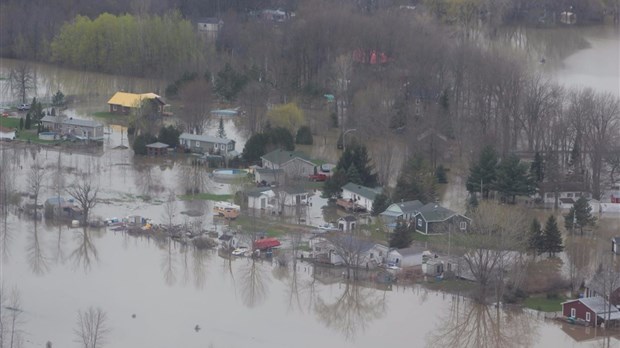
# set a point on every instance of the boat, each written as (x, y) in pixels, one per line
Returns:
(226, 209)
(240, 251)
(229, 173)
(328, 227)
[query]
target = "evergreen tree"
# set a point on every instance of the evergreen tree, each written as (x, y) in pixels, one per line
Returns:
(472, 203)
(28, 122)
(440, 174)
(416, 181)
(221, 133)
(579, 216)
(21, 123)
(536, 238)
(140, 142)
(169, 135)
(401, 237)
(304, 136)
(380, 204)
(353, 175)
(552, 237)
(483, 173)
(512, 178)
(332, 187)
(357, 155)
(58, 99)
(537, 168)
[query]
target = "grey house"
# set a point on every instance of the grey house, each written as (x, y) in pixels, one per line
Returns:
(403, 211)
(433, 218)
(78, 128)
(207, 144)
(294, 164)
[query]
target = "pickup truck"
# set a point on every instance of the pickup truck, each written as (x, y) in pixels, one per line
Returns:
(317, 177)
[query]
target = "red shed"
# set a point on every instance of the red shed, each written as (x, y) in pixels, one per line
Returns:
(266, 243)
(592, 310)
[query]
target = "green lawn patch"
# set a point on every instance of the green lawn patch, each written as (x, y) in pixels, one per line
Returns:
(111, 116)
(544, 304)
(205, 197)
(9, 122)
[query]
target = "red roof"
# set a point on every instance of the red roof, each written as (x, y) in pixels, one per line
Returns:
(266, 243)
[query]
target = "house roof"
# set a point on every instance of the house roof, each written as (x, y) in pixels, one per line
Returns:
(412, 250)
(433, 212)
(349, 218)
(566, 186)
(71, 121)
(350, 241)
(567, 200)
(599, 306)
(398, 209)
(205, 138)
(280, 156)
(259, 191)
(132, 100)
(55, 200)
(616, 240)
(158, 145)
(366, 192)
(266, 243)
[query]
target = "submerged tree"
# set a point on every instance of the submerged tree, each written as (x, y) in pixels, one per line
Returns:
(91, 328)
(84, 191)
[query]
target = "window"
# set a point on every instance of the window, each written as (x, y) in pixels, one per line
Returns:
(569, 195)
(573, 312)
(372, 256)
(587, 316)
(114, 107)
(380, 253)
(197, 143)
(419, 222)
(463, 225)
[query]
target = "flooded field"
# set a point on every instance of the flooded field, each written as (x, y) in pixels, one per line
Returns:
(184, 297)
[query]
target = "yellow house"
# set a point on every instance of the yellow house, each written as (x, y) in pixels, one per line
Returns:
(123, 103)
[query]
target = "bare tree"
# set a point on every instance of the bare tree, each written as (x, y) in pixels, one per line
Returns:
(170, 209)
(85, 193)
(21, 81)
(35, 180)
(351, 249)
(196, 97)
(492, 246)
(92, 328)
(11, 321)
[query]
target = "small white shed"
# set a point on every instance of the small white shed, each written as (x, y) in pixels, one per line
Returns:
(407, 257)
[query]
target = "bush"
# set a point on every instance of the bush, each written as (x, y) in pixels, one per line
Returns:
(304, 136)
(140, 142)
(440, 174)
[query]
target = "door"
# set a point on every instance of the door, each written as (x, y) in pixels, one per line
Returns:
(262, 203)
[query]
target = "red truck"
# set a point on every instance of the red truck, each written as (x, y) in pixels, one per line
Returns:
(317, 177)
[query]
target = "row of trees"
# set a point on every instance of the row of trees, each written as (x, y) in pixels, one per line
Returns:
(548, 240)
(510, 177)
(128, 44)
(353, 166)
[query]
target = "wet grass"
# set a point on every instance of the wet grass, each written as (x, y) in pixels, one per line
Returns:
(9, 122)
(111, 116)
(544, 304)
(451, 285)
(205, 197)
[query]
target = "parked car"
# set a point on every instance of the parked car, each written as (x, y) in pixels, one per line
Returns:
(317, 177)
(23, 107)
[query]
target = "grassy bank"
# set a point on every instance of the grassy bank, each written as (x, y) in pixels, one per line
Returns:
(544, 304)
(205, 197)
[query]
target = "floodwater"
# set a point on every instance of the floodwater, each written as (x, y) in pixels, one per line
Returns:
(171, 288)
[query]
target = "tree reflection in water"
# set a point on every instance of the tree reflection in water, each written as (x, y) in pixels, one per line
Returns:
(85, 252)
(252, 281)
(470, 324)
(353, 310)
(37, 260)
(168, 263)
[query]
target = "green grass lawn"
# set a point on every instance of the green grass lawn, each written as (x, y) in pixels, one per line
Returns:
(9, 122)
(205, 197)
(544, 304)
(111, 116)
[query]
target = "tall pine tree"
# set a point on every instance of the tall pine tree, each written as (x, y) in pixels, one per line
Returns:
(401, 237)
(483, 173)
(536, 238)
(221, 133)
(552, 237)
(579, 216)
(513, 178)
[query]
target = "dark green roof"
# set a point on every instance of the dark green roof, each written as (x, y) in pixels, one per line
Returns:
(282, 156)
(433, 212)
(363, 191)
